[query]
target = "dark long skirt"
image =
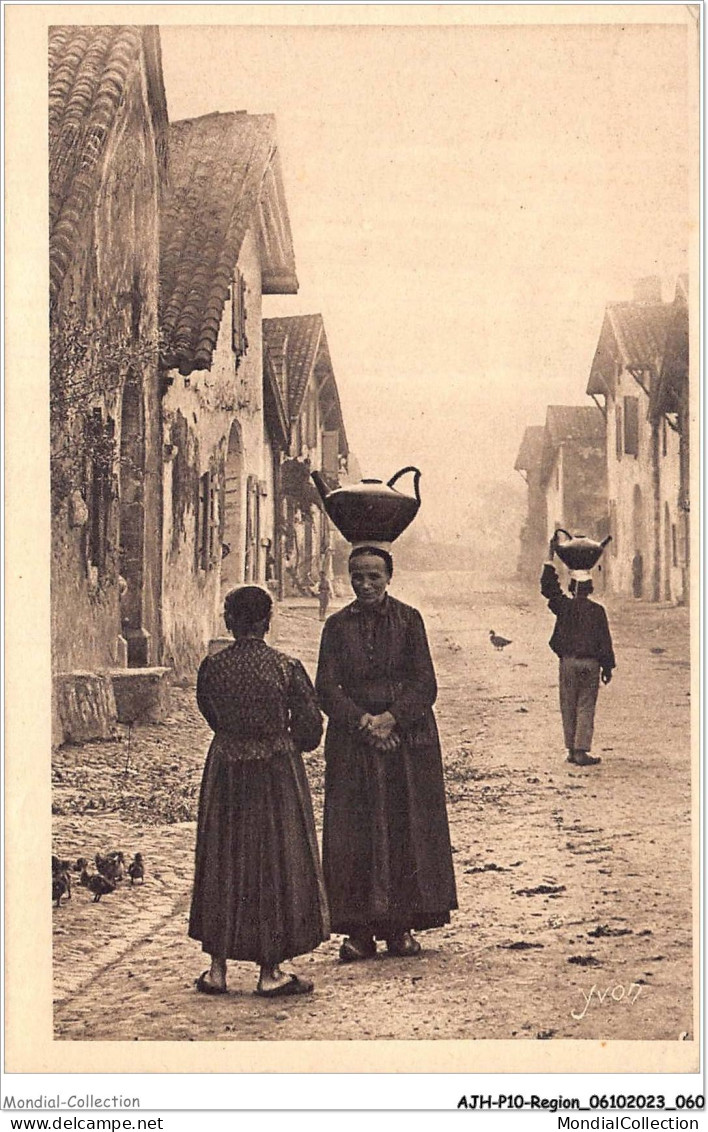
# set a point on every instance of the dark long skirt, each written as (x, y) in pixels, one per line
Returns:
(386, 845)
(258, 890)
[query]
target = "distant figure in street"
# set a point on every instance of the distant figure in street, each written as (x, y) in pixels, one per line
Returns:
(386, 846)
(324, 592)
(258, 888)
(269, 562)
(637, 575)
(582, 641)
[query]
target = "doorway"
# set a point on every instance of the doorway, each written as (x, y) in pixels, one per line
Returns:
(132, 521)
(668, 552)
(638, 537)
(233, 548)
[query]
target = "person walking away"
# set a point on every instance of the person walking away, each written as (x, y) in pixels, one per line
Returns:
(386, 846)
(582, 641)
(324, 592)
(258, 886)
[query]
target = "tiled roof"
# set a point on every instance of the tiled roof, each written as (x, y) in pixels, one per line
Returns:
(567, 423)
(217, 167)
(89, 68)
(633, 332)
(667, 392)
(304, 334)
(640, 331)
(531, 450)
(299, 342)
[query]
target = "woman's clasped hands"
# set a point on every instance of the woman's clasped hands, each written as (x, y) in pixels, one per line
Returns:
(380, 730)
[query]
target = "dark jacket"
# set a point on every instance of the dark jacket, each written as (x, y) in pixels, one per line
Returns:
(377, 660)
(385, 842)
(581, 627)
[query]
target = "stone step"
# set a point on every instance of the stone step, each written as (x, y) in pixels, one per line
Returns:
(142, 695)
(83, 707)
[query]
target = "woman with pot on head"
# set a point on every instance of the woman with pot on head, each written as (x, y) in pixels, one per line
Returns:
(386, 845)
(258, 888)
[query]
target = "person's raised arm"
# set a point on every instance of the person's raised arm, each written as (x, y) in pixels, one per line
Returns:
(552, 590)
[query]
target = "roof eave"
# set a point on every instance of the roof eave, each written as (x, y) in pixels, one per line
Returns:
(158, 99)
(276, 240)
(597, 386)
(279, 283)
(272, 391)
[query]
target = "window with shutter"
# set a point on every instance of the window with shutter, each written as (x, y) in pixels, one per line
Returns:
(312, 422)
(330, 453)
(203, 524)
(618, 431)
(252, 524)
(631, 426)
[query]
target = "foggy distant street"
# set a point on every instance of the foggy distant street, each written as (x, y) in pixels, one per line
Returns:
(573, 883)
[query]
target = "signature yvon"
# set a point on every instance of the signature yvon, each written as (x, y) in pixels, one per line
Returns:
(617, 993)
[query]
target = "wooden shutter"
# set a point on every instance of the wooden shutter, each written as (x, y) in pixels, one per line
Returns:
(251, 529)
(203, 521)
(330, 452)
(631, 426)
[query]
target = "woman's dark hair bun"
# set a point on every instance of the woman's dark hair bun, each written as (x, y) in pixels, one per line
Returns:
(246, 606)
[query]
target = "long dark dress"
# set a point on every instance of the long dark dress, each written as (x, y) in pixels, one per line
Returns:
(258, 889)
(386, 845)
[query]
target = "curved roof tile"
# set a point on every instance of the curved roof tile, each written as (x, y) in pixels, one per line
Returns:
(217, 163)
(89, 68)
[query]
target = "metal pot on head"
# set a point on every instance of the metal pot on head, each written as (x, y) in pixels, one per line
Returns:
(370, 511)
(578, 552)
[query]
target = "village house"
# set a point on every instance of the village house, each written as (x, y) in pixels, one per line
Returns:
(107, 173)
(642, 449)
(225, 242)
(573, 475)
(298, 358)
(669, 404)
(533, 538)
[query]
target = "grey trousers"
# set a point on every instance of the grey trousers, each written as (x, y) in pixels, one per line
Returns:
(578, 682)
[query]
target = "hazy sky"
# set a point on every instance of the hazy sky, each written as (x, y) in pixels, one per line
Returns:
(463, 201)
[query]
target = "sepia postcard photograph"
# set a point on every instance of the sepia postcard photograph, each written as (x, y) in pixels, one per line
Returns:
(353, 537)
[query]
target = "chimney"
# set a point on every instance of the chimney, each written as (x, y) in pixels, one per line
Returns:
(648, 289)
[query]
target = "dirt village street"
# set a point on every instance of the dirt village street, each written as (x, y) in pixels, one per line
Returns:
(574, 889)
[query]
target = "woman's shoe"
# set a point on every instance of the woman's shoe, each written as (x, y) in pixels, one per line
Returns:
(352, 950)
(208, 988)
(292, 986)
(403, 946)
